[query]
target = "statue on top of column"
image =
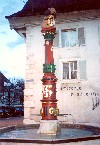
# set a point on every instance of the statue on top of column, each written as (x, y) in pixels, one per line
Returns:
(48, 23)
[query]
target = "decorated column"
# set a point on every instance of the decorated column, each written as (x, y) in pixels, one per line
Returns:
(49, 111)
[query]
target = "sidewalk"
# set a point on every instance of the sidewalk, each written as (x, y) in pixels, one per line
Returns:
(4, 122)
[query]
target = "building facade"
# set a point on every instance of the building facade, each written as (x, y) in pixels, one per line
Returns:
(77, 59)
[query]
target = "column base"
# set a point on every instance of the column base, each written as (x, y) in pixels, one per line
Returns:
(50, 127)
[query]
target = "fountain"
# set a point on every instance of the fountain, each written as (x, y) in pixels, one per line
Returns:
(49, 123)
(50, 130)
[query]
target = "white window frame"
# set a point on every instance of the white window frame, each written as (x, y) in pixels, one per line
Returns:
(61, 61)
(69, 70)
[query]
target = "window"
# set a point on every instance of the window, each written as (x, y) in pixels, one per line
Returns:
(70, 70)
(69, 37)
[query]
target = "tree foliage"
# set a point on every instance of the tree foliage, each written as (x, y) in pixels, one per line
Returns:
(13, 93)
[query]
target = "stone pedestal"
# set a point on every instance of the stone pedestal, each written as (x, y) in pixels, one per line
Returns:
(49, 127)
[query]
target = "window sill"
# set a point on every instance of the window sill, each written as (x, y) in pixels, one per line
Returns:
(63, 81)
(67, 48)
(70, 81)
(71, 47)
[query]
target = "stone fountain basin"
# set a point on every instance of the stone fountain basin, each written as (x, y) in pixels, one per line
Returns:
(27, 135)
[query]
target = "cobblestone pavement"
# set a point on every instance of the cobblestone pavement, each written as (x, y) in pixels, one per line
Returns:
(4, 122)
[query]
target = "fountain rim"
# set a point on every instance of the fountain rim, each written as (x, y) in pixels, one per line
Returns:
(50, 141)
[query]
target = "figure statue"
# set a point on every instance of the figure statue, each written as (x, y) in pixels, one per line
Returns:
(49, 20)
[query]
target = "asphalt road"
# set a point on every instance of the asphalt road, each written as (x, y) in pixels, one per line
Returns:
(4, 122)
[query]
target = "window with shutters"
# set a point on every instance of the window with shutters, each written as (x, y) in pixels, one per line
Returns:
(73, 70)
(69, 37)
(70, 70)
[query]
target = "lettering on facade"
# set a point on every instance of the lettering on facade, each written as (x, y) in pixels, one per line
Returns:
(78, 91)
(95, 102)
(84, 94)
(71, 88)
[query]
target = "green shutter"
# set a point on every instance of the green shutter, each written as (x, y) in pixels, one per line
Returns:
(99, 33)
(82, 66)
(81, 37)
(56, 39)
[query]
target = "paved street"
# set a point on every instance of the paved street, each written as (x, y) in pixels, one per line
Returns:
(11, 121)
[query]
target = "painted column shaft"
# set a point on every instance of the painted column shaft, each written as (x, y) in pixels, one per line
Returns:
(49, 109)
(49, 52)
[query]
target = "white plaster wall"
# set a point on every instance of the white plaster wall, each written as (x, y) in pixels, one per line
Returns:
(80, 104)
(34, 61)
